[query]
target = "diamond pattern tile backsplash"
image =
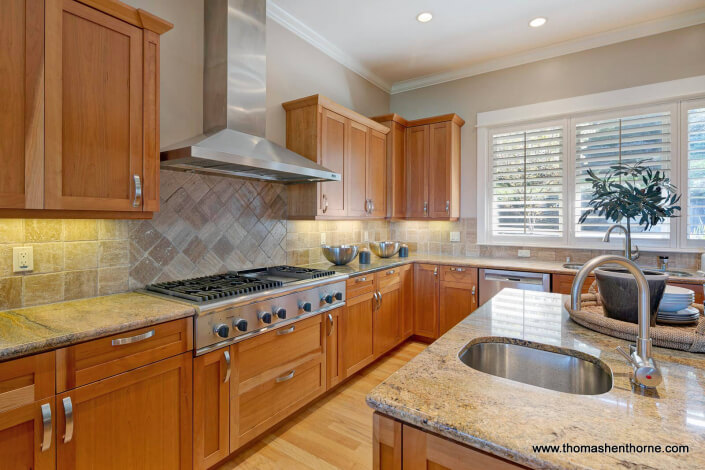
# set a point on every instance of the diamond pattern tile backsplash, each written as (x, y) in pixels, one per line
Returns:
(206, 225)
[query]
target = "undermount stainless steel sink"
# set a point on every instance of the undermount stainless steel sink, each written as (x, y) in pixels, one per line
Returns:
(531, 364)
(670, 272)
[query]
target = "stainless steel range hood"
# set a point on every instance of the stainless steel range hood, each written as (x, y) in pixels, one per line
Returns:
(234, 104)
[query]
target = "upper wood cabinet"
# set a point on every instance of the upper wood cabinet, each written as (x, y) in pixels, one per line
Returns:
(344, 142)
(423, 167)
(80, 133)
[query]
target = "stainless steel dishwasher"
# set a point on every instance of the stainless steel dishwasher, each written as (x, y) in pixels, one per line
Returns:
(494, 280)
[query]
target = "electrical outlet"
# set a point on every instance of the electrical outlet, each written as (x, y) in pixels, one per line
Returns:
(323, 238)
(455, 236)
(366, 236)
(22, 259)
(524, 253)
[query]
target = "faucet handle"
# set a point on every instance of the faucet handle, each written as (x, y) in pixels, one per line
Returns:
(635, 253)
(627, 356)
(646, 374)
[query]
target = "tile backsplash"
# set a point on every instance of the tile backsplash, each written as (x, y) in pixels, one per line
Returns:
(73, 259)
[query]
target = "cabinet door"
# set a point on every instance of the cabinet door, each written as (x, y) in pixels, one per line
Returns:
(439, 167)
(334, 356)
(139, 420)
(211, 399)
(387, 327)
(27, 437)
(94, 110)
(426, 300)
(407, 300)
(333, 149)
(355, 175)
(563, 283)
(377, 174)
(150, 166)
(457, 301)
(358, 350)
(422, 451)
(417, 149)
(386, 443)
(22, 98)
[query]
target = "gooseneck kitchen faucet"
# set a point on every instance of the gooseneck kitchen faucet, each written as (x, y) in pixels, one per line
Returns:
(646, 374)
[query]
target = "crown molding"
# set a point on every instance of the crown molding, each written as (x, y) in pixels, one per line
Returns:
(293, 24)
(661, 25)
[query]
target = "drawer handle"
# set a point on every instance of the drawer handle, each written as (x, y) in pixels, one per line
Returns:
(330, 321)
(390, 272)
(46, 427)
(473, 290)
(286, 377)
(435, 271)
(138, 191)
(325, 203)
(133, 339)
(68, 413)
(287, 331)
(460, 270)
(361, 279)
(227, 366)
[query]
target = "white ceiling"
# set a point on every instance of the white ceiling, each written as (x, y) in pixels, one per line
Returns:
(381, 39)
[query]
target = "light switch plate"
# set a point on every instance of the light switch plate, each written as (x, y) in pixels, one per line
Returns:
(455, 236)
(22, 259)
(323, 238)
(524, 253)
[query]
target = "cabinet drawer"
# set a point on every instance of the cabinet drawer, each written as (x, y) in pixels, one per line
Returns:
(26, 380)
(459, 274)
(88, 362)
(360, 285)
(387, 278)
(272, 353)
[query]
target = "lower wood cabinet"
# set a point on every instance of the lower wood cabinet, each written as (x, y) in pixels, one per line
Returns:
(386, 323)
(398, 446)
(426, 283)
(358, 341)
(563, 283)
(27, 437)
(458, 295)
(139, 419)
(334, 351)
(406, 276)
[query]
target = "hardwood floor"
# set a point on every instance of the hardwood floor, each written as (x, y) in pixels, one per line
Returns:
(333, 432)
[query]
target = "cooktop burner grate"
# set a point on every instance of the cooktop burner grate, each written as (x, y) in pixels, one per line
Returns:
(293, 272)
(202, 289)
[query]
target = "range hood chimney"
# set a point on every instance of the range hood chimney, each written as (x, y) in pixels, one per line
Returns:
(234, 104)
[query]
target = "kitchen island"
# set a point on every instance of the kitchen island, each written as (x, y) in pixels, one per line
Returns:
(497, 418)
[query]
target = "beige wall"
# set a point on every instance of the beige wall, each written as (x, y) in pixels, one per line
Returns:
(667, 56)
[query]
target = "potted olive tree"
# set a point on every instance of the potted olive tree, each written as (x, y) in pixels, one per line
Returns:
(631, 192)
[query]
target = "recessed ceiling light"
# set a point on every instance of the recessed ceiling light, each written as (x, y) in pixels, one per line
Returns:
(536, 22)
(424, 17)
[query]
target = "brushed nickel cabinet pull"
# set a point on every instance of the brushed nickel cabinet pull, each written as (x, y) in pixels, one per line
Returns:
(472, 291)
(372, 206)
(425, 208)
(227, 366)
(137, 201)
(133, 339)
(325, 204)
(460, 270)
(379, 296)
(435, 271)
(68, 413)
(287, 331)
(361, 279)
(286, 377)
(330, 322)
(390, 272)
(448, 207)
(46, 427)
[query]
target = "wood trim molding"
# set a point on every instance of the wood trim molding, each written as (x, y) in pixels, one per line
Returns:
(394, 117)
(70, 214)
(331, 105)
(436, 119)
(134, 16)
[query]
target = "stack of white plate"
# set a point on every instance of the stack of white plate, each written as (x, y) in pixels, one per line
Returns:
(675, 308)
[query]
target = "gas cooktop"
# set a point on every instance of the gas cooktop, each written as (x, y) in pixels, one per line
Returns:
(234, 284)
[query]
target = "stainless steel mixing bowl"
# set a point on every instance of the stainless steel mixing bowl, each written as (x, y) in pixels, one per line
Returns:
(385, 249)
(340, 254)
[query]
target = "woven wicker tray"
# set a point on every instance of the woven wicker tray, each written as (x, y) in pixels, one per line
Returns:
(689, 338)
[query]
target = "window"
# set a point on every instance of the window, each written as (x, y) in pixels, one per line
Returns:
(527, 182)
(601, 143)
(695, 148)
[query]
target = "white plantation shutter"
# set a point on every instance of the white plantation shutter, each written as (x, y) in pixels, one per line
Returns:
(600, 143)
(527, 182)
(696, 173)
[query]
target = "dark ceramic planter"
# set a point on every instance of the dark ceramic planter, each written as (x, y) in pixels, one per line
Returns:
(619, 293)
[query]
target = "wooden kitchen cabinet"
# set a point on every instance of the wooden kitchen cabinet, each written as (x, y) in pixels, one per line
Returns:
(386, 443)
(426, 295)
(358, 341)
(563, 283)
(396, 164)
(334, 352)
(138, 419)
(406, 275)
(212, 373)
(81, 127)
(387, 319)
(344, 142)
(458, 295)
(417, 157)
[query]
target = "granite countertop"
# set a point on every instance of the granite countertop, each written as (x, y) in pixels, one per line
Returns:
(32, 330)
(354, 268)
(437, 392)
